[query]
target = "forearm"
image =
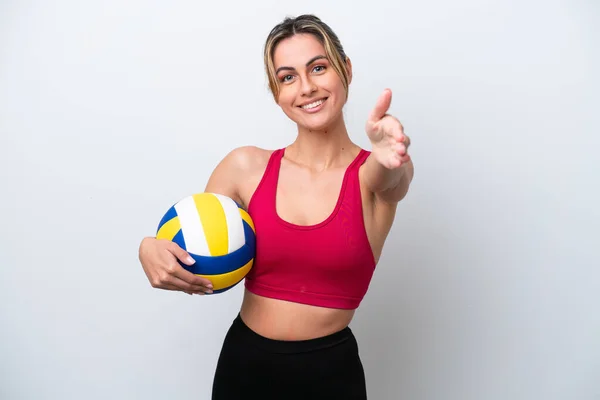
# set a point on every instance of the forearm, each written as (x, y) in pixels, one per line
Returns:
(391, 184)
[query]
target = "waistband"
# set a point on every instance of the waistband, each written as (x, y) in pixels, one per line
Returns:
(240, 329)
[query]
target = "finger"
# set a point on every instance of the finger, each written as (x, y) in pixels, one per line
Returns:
(187, 287)
(176, 289)
(190, 278)
(180, 253)
(399, 132)
(201, 293)
(406, 141)
(174, 274)
(181, 272)
(172, 283)
(382, 106)
(400, 149)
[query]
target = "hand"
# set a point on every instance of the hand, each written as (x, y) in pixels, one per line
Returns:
(386, 133)
(159, 260)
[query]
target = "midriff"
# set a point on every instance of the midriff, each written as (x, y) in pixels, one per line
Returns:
(284, 320)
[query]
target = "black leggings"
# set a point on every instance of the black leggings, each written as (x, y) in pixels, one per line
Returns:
(252, 366)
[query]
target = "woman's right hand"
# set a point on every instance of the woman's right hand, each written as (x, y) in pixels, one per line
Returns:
(159, 260)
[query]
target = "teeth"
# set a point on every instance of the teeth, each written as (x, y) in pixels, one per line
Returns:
(313, 105)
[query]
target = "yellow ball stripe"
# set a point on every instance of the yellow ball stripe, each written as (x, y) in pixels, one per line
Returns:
(169, 229)
(246, 217)
(225, 280)
(212, 216)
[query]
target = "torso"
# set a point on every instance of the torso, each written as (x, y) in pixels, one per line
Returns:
(306, 198)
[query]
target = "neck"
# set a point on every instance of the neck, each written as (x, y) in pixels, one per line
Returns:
(321, 149)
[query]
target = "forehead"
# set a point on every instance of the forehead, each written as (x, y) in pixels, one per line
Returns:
(297, 50)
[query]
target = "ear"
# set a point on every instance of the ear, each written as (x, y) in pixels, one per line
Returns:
(349, 69)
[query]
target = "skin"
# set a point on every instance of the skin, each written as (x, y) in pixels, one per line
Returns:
(309, 184)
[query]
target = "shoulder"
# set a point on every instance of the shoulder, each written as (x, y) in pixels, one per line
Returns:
(248, 158)
(241, 165)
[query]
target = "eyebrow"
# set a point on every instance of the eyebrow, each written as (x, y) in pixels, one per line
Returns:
(312, 60)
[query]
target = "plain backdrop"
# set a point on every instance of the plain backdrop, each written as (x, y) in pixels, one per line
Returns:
(489, 285)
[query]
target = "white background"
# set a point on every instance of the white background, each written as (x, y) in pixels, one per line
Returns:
(110, 111)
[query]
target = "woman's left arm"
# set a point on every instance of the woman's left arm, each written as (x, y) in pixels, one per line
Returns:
(389, 169)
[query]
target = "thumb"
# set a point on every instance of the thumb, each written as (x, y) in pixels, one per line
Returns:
(181, 254)
(382, 106)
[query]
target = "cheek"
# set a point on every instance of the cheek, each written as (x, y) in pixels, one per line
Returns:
(334, 85)
(286, 97)
(286, 103)
(339, 94)
(341, 91)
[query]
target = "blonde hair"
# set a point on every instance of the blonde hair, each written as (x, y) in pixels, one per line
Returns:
(312, 25)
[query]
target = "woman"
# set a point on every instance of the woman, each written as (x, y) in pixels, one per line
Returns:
(322, 209)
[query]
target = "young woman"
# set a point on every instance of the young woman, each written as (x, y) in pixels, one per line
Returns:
(322, 209)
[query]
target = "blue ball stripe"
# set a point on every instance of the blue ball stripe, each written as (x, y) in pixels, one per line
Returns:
(172, 213)
(179, 239)
(250, 236)
(208, 265)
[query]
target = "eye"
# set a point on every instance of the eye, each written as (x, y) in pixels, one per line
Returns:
(286, 78)
(319, 68)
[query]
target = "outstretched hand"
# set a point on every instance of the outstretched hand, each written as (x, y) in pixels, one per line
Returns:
(386, 133)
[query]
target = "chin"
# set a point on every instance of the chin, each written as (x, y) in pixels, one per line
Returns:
(319, 122)
(318, 127)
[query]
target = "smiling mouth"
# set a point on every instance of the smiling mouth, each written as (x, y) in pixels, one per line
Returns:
(313, 105)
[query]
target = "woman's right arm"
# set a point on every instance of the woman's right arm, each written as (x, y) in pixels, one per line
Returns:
(159, 257)
(159, 261)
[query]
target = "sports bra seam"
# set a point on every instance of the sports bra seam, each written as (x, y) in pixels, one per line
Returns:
(363, 226)
(275, 288)
(263, 178)
(341, 199)
(325, 222)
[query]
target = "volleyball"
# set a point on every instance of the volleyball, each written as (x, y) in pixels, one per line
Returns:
(217, 232)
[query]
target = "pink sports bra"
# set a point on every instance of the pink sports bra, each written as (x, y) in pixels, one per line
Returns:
(329, 264)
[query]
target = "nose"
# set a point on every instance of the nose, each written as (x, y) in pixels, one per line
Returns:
(308, 86)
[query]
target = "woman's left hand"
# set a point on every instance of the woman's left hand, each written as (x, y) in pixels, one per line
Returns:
(386, 133)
